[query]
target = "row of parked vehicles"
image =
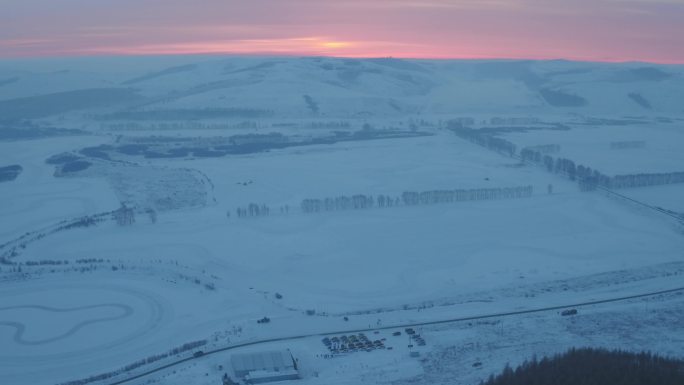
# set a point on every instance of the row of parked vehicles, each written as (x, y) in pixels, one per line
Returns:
(352, 343)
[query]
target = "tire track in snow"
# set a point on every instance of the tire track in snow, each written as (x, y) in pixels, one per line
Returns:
(20, 328)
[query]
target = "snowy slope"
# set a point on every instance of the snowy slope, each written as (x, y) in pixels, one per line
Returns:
(363, 87)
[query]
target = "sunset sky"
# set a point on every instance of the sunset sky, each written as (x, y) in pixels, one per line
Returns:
(596, 30)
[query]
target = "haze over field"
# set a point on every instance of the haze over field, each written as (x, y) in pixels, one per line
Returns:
(301, 191)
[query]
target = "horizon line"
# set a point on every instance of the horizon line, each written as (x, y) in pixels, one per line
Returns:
(305, 55)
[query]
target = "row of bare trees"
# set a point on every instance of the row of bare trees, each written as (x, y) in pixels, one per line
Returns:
(354, 202)
(641, 180)
(590, 179)
(482, 138)
(412, 198)
(253, 210)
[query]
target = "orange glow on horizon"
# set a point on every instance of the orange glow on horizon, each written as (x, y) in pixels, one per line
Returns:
(336, 44)
(583, 30)
(323, 46)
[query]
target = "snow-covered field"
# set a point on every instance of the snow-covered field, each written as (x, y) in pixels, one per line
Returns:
(668, 197)
(82, 292)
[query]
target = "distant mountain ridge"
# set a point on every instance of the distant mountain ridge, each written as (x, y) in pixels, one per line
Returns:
(344, 88)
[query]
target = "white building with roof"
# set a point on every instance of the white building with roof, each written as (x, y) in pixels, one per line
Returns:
(257, 368)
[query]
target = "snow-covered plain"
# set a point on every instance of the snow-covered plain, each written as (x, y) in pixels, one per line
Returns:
(81, 300)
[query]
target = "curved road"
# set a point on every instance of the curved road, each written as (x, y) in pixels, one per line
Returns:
(397, 326)
(20, 328)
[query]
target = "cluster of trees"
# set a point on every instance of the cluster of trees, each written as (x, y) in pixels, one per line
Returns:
(311, 103)
(124, 216)
(62, 158)
(10, 173)
(139, 363)
(483, 139)
(594, 367)
(253, 210)
(72, 167)
(354, 202)
(410, 198)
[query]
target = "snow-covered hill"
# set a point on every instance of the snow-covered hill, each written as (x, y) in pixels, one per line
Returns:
(331, 87)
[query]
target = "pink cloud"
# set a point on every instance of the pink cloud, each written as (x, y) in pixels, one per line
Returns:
(615, 30)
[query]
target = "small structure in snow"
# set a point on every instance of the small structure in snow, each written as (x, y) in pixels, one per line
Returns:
(257, 368)
(569, 312)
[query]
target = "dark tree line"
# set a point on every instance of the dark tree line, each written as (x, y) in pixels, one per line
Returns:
(354, 202)
(412, 198)
(594, 367)
(640, 180)
(90, 260)
(589, 179)
(387, 201)
(85, 221)
(482, 138)
(134, 365)
(253, 210)
(340, 203)
(13, 247)
(256, 210)
(48, 262)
